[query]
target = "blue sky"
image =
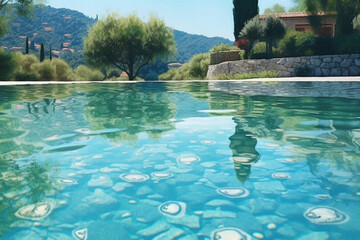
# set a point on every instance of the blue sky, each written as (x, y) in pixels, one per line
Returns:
(206, 17)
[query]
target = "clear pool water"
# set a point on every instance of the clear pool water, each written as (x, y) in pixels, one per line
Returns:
(218, 160)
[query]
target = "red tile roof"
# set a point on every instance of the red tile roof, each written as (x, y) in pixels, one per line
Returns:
(297, 14)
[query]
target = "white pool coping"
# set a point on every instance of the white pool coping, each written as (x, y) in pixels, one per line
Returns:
(293, 79)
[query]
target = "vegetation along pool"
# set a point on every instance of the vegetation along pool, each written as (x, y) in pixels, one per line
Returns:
(195, 160)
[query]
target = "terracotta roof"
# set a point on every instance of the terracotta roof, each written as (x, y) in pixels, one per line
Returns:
(297, 14)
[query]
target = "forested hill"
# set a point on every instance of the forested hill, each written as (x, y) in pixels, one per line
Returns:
(65, 29)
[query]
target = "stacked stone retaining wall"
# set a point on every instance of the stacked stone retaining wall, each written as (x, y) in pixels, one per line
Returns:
(329, 65)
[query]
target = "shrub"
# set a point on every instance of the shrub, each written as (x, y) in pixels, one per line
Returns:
(8, 64)
(296, 43)
(46, 70)
(196, 68)
(223, 47)
(199, 65)
(26, 61)
(63, 71)
(250, 75)
(356, 23)
(84, 73)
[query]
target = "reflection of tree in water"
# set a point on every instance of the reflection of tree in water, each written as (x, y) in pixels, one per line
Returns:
(23, 179)
(243, 146)
(131, 110)
(326, 132)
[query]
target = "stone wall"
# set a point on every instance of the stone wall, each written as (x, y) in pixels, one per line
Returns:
(219, 57)
(329, 65)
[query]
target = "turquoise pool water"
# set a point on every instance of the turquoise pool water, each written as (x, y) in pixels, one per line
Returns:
(198, 160)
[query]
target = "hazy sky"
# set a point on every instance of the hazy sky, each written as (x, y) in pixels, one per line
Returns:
(206, 17)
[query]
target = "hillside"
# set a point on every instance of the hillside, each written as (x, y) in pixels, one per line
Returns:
(65, 29)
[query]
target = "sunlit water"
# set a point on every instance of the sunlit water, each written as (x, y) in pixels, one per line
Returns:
(224, 160)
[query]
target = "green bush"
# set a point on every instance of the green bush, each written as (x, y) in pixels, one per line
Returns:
(8, 64)
(63, 71)
(196, 68)
(169, 75)
(356, 23)
(250, 75)
(296, 44)
(46, 70)
(84, 73)
(223, 47)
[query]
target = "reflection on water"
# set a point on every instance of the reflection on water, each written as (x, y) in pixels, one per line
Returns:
(172, 160)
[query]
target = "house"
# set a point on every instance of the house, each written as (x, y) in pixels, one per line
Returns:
(300, 22)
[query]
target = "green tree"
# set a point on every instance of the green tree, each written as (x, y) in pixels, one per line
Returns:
(22, 8)
(128, 43)
(277, 8)
(253, 31)
(42, 52)
(243, 11)
(300, 6)
(275, 29)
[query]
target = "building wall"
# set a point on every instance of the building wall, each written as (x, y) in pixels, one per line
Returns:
(329, 65)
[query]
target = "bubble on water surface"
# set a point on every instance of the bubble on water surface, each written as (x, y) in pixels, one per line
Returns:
(280, 175)
(229, 234)
(173, 209)
(208, 142)
(35, 212)
(162, 175)
(234, 192)
(134, 177)
(67, 181)
(188, 159)
(258, 235)
(271, 226)
(323, 196)
(325, 215)
(81, 234)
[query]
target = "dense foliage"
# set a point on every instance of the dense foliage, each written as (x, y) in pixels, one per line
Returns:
(296, 44)
(346, 11)
(223, 47)
(16, 66)
(243, 11)
(356, 23)
(195, 69)
(277, 8)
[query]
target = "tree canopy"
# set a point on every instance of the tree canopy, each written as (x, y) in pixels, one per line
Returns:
(128, 43)
(277, 8)
(22, 8)
(346, 11)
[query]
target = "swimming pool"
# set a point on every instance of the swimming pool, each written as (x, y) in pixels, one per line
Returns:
(181, 160)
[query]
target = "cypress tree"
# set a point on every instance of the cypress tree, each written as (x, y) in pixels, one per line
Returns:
(27, 46)
(42, 53)
(243, 11)
(50, 54)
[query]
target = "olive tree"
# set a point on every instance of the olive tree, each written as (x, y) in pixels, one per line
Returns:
(275, 29)
(253, 31)
(128, 43)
